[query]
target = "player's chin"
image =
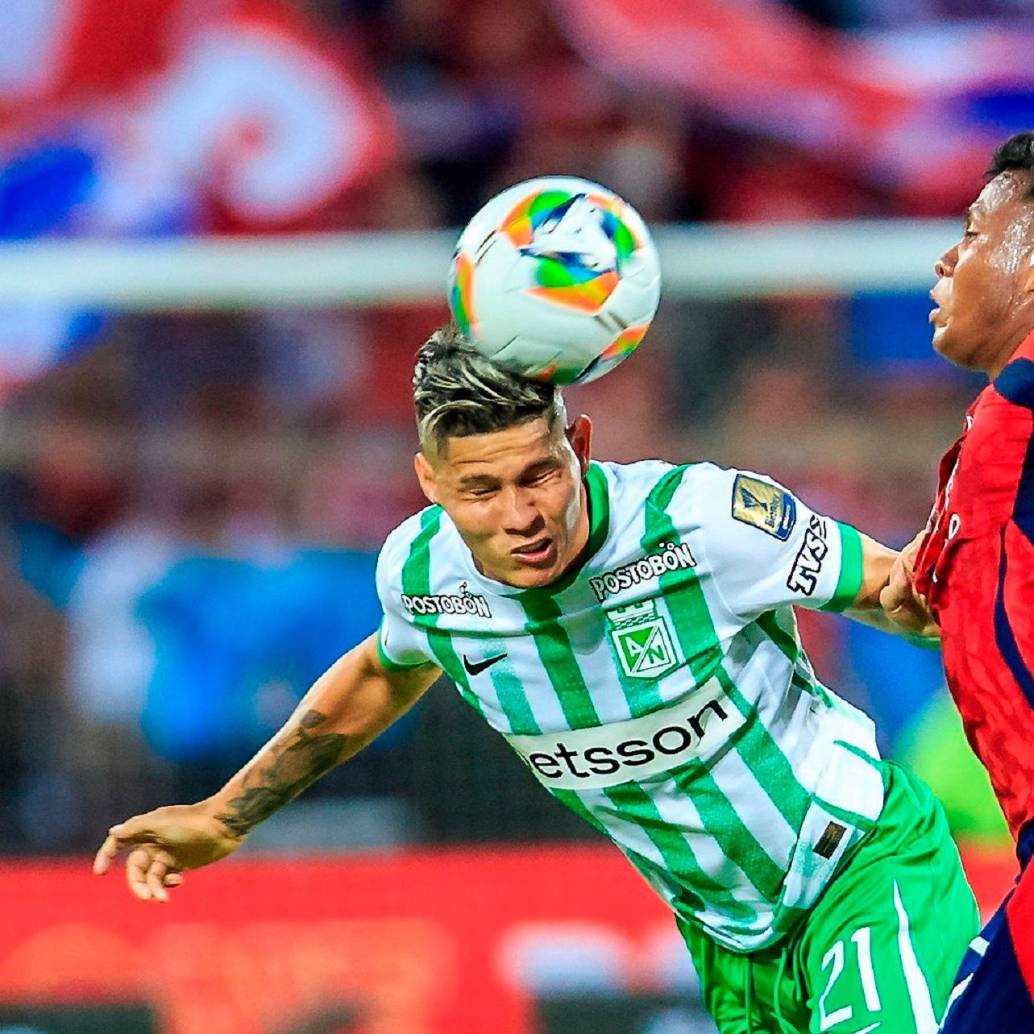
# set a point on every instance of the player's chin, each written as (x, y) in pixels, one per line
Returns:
(944, 341)
(528, 575)
(953, 346)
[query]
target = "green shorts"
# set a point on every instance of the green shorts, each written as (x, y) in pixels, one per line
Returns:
(878, 952)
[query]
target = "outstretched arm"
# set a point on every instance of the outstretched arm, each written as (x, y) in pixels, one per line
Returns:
(886, 599)
(774, 551)
(899, 600)
(346, 708)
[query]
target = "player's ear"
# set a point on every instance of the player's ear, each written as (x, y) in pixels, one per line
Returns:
(1027, 274)
(425, 475)
(579, 436)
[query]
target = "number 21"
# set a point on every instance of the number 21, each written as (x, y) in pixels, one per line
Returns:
(834, 960)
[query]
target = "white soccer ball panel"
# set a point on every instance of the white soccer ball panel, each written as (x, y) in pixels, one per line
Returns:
(555, 279)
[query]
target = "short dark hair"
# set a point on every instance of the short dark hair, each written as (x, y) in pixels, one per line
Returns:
(457, 392)
(1017, 153)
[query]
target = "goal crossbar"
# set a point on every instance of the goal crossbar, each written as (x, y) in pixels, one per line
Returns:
(324, 270)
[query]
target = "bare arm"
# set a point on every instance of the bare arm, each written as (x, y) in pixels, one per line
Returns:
(355, 700)
(899, 600)
(881, 568)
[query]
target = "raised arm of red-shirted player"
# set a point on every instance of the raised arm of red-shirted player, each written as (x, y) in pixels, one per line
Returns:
(347, 707)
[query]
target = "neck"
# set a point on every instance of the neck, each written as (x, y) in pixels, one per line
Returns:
(581, 536)
(1020, 341)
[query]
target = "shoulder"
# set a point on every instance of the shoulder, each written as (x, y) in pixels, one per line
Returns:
(421, 525)
(713, 497)
(704, 486)
(1015, 384)
(700, 495)
(657, 481)
(407, 541)
(999, 423)
(632, 478)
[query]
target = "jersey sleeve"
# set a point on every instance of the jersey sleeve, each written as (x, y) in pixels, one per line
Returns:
(766, 549)
(400, 644)
(1014, 569)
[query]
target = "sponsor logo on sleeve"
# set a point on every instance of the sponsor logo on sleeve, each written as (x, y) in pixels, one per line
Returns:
(672, 556)
(763, 505)
(807, 565)
(463, 602)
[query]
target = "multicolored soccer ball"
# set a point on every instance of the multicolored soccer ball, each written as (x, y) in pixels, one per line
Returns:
(555, 279)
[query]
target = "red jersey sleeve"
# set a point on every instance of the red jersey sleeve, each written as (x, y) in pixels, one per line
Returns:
(1014, 595)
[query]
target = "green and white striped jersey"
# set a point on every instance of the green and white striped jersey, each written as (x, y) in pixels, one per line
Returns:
(659, 688)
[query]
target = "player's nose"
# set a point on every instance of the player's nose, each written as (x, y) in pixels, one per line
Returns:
(945, 265)
(520, 515)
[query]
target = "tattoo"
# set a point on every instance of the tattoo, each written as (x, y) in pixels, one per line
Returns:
(300, 760)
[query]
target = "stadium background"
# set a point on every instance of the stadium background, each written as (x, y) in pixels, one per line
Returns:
(196, 468)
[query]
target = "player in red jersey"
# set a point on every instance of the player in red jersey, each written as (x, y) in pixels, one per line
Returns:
(972, 569)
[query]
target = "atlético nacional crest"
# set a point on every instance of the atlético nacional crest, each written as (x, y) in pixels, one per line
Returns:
(642, 640)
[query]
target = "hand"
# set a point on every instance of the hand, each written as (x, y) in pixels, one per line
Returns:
(899, 600)
(165, 842)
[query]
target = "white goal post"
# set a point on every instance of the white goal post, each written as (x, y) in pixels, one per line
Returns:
(322, 270)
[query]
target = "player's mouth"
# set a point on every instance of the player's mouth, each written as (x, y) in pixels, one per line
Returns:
(540, 553)
(937, 316)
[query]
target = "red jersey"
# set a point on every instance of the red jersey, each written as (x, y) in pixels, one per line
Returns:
(976, 568)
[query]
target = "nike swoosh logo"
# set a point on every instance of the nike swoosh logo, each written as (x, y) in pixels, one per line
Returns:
(476, 667)
(871, 1027)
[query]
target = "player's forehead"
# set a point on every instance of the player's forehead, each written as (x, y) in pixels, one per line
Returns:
(500, 453)
(1003, 196)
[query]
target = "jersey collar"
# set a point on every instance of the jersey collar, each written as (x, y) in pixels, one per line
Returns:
(1016, 381)
(1025, 350)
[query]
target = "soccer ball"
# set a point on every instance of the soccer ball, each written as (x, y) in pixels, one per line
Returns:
(555, 279)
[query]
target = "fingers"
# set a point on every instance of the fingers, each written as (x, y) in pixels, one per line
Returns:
(901, 578)
(156, 874)
(894, 596)
(119, 837)
(898, 592)
(906, 608)
(149, 871)
(911, 551)
(137, 864)
(108, 850)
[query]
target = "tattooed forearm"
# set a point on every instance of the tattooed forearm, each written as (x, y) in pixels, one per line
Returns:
(300, 760)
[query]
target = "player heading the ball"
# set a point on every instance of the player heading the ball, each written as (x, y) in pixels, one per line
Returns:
(629, 630)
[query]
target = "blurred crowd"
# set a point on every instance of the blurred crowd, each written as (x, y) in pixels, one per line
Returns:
(190, 504)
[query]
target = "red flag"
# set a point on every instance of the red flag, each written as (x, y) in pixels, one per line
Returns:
(241, 99)
(273, 122)
(893, 103)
